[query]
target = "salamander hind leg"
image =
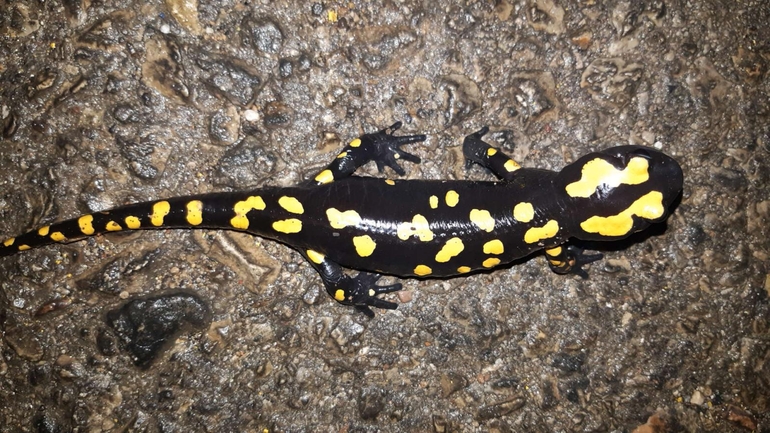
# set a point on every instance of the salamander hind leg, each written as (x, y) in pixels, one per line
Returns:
(360, 291)
(480, 152)
(382, 147)
(570, 260)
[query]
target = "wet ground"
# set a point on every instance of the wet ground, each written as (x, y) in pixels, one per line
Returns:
(105, 103)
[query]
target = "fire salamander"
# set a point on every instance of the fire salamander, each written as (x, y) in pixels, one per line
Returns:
(417, 228)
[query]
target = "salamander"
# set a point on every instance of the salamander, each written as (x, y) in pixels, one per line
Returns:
(417, 228)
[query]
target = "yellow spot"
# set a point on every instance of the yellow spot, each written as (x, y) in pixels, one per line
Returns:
(288, 226)
(463, 269)
(9, 242)
(523, 212)
(433, 201)
(511, 165)
(339, 295)
(418, 227)
(243, 207)
(24, 247)
(364, 245)
(422, 270)
(598, 173)
(58, 236)
(111, 226)
(342, 155)
(451, 248)
(452, 198)
(331, 15)
(315, 256)
(340, 220)
(482, 219)
(537, 234)
(390, 182)
(649, 206)
(43, 231)
(159, 211)
(86, 224)
(494, 246)
(194, 212)
(553, 251)
(291, 204)
(355, 143)
(133, 222)
(491, 151)
(325, 176)
(491, 262)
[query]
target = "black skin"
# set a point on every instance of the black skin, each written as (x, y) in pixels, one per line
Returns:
(387, 236)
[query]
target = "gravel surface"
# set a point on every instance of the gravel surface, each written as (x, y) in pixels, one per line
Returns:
(106, 103)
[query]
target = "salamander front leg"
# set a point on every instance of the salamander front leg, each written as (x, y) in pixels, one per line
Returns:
(570, 260)
(360, 291)
(382, 147)
(480, 152)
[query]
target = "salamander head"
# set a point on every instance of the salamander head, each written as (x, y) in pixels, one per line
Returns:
(618, 191)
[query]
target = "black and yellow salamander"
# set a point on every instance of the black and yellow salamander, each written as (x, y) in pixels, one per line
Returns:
(417, 228)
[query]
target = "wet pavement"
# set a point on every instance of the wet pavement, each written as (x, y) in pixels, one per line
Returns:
(106, 103)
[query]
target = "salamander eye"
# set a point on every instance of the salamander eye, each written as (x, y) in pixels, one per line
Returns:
(641, 152)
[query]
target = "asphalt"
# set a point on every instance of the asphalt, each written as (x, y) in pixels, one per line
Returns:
(107, 103)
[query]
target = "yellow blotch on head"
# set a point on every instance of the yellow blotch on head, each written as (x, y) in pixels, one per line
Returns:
(339, 295)
(58, 236)
(243, 207)
(390, 182)
(340, 220)
(159, 211)
(365, 245)
(86, 225)
(649, 206)
(291, 204)
(494, 246)
(452, 198)
(342, 155)
(511, 166)
(315, 256)
(482, 219)
(463, 269)
(418, 227)
(451, 248)
(111, 226)
(598, 172)
(288, 226)
(325, 176)
(491, 151)
(43, 231)
(24, 247)
(537, 234)
(8, 242)
(523, 212)
(491, 262)
(133, 222)
(355, 143)
(433, 201)
(422, 270)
